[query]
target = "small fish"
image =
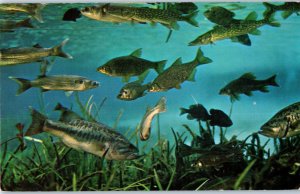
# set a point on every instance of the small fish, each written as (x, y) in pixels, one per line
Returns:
(167, 18)
(247, 26)
(285, 123)
(72, 14)
(184, 7)
(9, 26)
(288, 9)
(32, 9)
(97, 13)
(68, 115)
(196, 111)
(177, 73)
(219, 15)
(133, 90)
(219, 118)
(16, 55)
(131, 65)
(94, 138)
(246, 84)
(56, 82)
(145, 126)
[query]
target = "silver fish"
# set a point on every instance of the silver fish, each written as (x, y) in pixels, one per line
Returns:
(285, 123)
(145, 126)
(16, 55)
(9, 26)
(32, 9)
(94, 138)
(56, 82)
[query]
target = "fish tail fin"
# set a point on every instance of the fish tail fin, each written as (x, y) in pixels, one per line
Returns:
(26, 23)
(36, 12)
(272, 81)
(37, 123)
(271, 21)
(160, 65)
(270, 9)
(57, 50)
(191, 18)
(183, 111)
(200, 59)
(24, 84)
(161, 105)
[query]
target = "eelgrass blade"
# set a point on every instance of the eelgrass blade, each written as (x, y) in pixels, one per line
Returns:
(157, 180)
(243, 175)
(74, 182)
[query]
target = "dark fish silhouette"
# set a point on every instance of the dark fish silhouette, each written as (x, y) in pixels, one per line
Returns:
(246, 84)
(196, 111)
(219, 118)
(184, 7)
(288, 9)
(72, 14)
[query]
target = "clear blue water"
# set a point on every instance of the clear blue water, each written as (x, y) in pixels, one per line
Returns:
(92, 43)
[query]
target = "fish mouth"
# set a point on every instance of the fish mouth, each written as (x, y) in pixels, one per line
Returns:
(267, 131)
(133, 156)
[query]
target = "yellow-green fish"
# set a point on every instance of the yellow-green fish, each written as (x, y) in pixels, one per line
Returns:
(177, 73)
(285, 123)
(56, 82)
(131, 65)
(249, 25)
(9, 26)
(91, 137)
(167, 18)
(17, 55)
(97, 13)
(145, 126)
(32, 9)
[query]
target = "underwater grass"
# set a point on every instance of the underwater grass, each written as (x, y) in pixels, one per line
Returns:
(47, 165)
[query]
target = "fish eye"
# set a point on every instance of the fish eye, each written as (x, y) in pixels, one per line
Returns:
(94, 83)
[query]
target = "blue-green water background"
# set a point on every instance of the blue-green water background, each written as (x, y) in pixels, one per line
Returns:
(92, 43)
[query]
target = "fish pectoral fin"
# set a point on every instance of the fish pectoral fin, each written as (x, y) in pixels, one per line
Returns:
(125, 79)
(37, 46)
(255, 32)
(192, 76)
(248, 93)
(286, 14)
(44, 90)
(264, 89)
(178, 86)
(153, 24)
(68, 93)
(136, 53)
(243, 39)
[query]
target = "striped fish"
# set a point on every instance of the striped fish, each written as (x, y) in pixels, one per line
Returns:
(94, 138)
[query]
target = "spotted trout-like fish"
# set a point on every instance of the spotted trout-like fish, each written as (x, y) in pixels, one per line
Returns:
(56, 82)
(167, 18)
(10, 26)
(145, 126)
(16, 55)
(177, 73)
(32, 9)
(219, 32)
(94, 138)
(285, 123)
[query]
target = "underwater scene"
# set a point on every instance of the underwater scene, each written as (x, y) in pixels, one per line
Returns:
(150, 96)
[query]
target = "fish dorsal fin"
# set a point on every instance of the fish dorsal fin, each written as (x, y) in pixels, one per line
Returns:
(37, 46)
(248, 76)
(177, 62)
(136, 53)
(251, 16)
